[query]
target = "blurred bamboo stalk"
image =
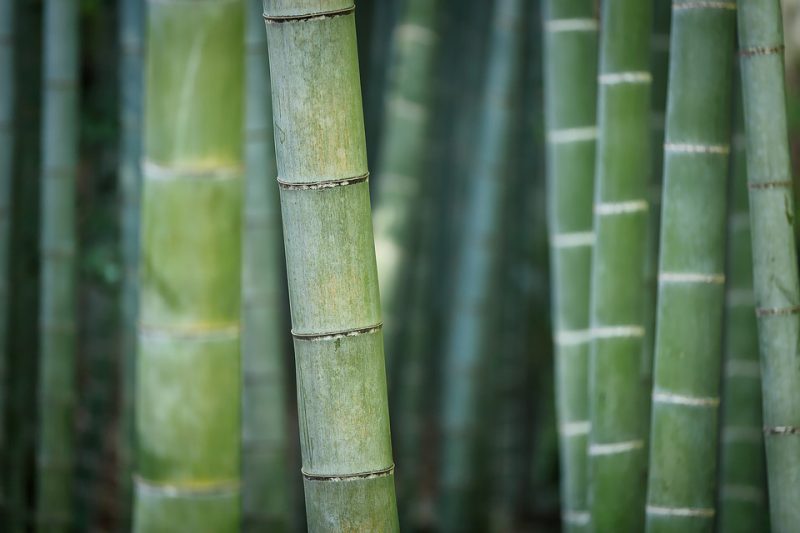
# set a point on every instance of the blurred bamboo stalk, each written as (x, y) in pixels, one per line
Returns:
(772, 214)
(741, 494)
(57, 315)
(332, 274)
(570, 56)
(188, 380)
(475, 297)
(265, 441)
(682, 477)
(618, 406)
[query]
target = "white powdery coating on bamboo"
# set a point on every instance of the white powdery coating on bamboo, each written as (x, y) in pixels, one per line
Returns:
(742, 493)
(562, 25)
(733, 434)
(615, 447)
(691, 277)
(678, 6)
(619, 78)
(692, 148)
(682, 399)
(685, 512)
(415, 33)
(617, 332)
(739, 368)
(573, 240)
(575, 429)
(620, 208)
(407, 108)
(572, 135)
(153, 171)
(576, 518)
(573, 337)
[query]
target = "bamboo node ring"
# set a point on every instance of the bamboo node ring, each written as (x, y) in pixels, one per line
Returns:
(323, 184)
(278, 19)
(777, 311)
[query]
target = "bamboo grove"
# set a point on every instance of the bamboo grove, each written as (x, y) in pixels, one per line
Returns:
(402, 265)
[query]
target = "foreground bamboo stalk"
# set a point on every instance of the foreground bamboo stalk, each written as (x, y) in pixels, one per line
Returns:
(266, 503)
(681, 484)
(330, 257)
(777, 297)
(571, 103)
(188, 391)
(617, 452)
(57, 325)
(468, 345)
(742, 476)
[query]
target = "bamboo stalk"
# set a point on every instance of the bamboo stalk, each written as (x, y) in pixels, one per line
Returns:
(681, 485)
(131, 32)
(330, 257)
(741, 493)
(618, 413)
(474, 301)
(570, 31)
(774, 251)
(57, 319)
(188, 379)
(266, 496)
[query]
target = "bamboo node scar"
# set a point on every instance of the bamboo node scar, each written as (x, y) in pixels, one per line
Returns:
(207, 489)
(334, 335)
(572, 135)
(681, 399)
(686, 512)
(618, 78)
(573, 337)
(765, 185)
(691, 277)
(279, 19)
(781, 430)
(323, 184)
(576, 24)
(777, 311)
(573, 240)
(578, 518)
(761, 50)
(615, 447)
(693, 148)
(617, 332)
(349, 477)
(575, 429)
(620, 208)
(731, 6)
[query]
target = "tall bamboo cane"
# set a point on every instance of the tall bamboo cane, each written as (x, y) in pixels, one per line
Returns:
(617, 455)
(742, 476)
(681, 485)
(571, 103)
(188, 391)
(330, 257)
(266, 502)
(468, 344)
(772, 214)
(57, 393)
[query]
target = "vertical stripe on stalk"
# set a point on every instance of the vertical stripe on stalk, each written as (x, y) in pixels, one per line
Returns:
(330, 257)
(188, 379)
(570, 63)
(772, 215)
(683, 448)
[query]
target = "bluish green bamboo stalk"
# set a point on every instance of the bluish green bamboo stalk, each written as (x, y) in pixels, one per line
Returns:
(265, 443)
(618, 406)
(57, 314)
(7, 80)
(330, 257)
(683, 437)
(188, 379)
(131, 71)
(570, 93)
(772, 215)
(468, 347)
(741, 494)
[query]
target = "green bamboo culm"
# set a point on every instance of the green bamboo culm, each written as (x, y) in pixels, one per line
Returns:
(617, 394)
(682, 478)
(772, 213)
(188, 371)
(741, 492)
(403, 161)
(6, 179)
(571, 102)
(265, 443)
(469, 344)
(131, 32)
(57, 311)
(330, 257)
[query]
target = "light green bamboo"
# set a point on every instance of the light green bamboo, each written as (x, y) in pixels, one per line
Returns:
(741, 493)
(7, 79)
(131, 33)
(570, 30)
(57, 312)
(265, 442)
(468, 347)
(188, 371)
(618, 407)
(403, 161)
(772, 215)
(682, 477)
(330, 257)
